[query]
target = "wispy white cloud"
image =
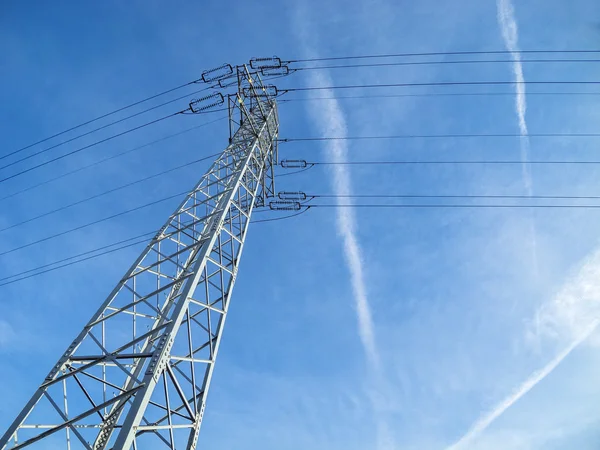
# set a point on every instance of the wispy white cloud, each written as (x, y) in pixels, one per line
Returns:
(570, 317)
(573, 314)
(510, 36)
(330, 121)
(575, 307)
(485, 421)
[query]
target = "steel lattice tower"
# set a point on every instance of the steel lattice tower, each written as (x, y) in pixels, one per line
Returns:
(138, 373)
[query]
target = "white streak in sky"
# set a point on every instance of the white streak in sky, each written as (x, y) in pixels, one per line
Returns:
(509, 29)
(510, 35)
(331, 122)
(486, 420)
(571, 316)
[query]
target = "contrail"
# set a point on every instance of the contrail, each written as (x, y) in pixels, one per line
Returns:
(330, 119)
(510, 35)
(571, 315)
(509, 29)
(534, 379)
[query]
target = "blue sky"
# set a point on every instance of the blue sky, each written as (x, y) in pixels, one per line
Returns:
(455, 331)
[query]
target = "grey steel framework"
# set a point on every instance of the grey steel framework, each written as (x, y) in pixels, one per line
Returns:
(138, 374)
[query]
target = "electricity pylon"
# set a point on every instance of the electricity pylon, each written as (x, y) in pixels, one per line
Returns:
(138, 374)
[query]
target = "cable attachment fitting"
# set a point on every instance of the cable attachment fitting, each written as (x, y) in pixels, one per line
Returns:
(272, 62)
(292, 195)
(285, 205)
(293, 163)
(275, 71)
(218, 73)
(204, 103)
(263, 91)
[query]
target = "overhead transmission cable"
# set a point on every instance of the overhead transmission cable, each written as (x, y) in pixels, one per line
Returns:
(109, 158)
(109, 191)
(450, 206)
(308, 164)
(436, 136)
(93, 144)
(456, 53)
(287, 90)
(307, 199)
(88, 224)
(299, 201)
(300, 165)
(444, 62)
(291, 61)
(87, 133)
(111, 123)
(304, 207)
(187, 164)
(101, 251)
(275, 219)
(71, 260)
(131, 105)
(432, 94)
(443, 83)
(459, 196)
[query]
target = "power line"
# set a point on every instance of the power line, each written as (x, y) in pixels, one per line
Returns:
(457, 53)
(110, 191)
(135, 240)
(300, 165)
(109, 158)
(441, 83)
(308, 167)
(80, 227)
(87, 133)
(98, 252)
(431, 94)
(51, 269)
(445, 62)
(114, 122)
(73, 257)
(303, 68)
(386, 163)
(282, 218)
(93, 144)
(460, 196)
(435, 136)
(99, 118)
(486, 206)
